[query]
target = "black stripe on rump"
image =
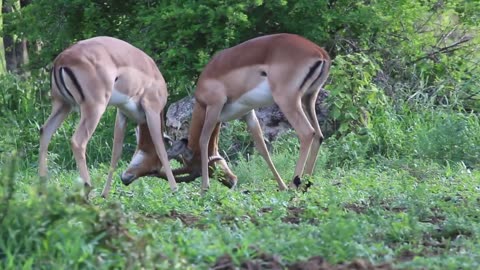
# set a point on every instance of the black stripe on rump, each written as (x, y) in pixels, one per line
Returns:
(75, 81)
(318, 77)
(62, 80)
(55, 77)
(310, 72)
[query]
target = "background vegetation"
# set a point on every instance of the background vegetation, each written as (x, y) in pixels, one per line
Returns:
(397, 182)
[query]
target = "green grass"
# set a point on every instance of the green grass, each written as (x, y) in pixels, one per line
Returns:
(414, 214)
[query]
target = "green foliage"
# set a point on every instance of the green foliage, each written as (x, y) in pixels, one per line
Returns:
(235, 140)
(354, 95)
(44, 227)
(420, 51)
(430, 134)
(182, 37)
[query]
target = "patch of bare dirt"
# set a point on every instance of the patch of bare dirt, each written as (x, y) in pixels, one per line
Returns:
(273, 262)
(293, 215)
(362, 208)
(186, 219)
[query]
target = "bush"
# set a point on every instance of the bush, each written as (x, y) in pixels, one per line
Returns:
(48, 228)
(442, 136)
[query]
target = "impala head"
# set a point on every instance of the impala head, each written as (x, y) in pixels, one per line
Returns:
(192, 164)
(145, 160)
(179, 150)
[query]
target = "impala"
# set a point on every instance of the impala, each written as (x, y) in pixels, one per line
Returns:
(93, 74)
(285, 69)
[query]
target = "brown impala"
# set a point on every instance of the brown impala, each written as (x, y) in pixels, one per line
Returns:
(285, 69)
(93, 74)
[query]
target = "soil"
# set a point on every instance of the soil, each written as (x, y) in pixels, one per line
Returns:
(273, 262)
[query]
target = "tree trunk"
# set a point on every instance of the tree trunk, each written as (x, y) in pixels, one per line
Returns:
(21, 52)
(3, 68)
(9, 42)
(16, 52)
(21, 46)
(10, 55)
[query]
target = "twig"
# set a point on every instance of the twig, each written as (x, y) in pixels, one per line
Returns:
(450, 48)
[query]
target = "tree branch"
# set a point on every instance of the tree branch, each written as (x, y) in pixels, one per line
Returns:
(450, 48)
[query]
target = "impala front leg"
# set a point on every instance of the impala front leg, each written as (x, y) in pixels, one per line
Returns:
(154, 126)
(118, 137)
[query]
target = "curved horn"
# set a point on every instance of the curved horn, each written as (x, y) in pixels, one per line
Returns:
(215, 158)
(188, 178)
(167, 139)
(179, 179)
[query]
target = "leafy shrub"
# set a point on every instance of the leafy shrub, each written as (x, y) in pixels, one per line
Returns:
(426, 133)
(353, 95)
(48, 228)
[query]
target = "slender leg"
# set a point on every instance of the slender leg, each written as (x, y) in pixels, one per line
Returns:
(60, 111)
(153, 105)
(257, 134)
(230, 179)
(293, 111)
(118, 136)
(211, 118)
(89, 117)
(318, 138)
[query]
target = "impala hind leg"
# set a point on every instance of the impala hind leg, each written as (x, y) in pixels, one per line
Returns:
(60, 111)
(293, 111)
(118, 137)
(309, 103)
(89, 118)
(257, 134)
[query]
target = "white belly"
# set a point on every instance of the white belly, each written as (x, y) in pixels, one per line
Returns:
(257, 97)
(127, 106)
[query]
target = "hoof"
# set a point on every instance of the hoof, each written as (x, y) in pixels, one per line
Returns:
(297, 182)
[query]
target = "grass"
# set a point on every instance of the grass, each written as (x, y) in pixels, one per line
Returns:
(413, 214)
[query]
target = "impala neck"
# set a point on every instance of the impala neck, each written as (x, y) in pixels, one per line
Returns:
(145, 140)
